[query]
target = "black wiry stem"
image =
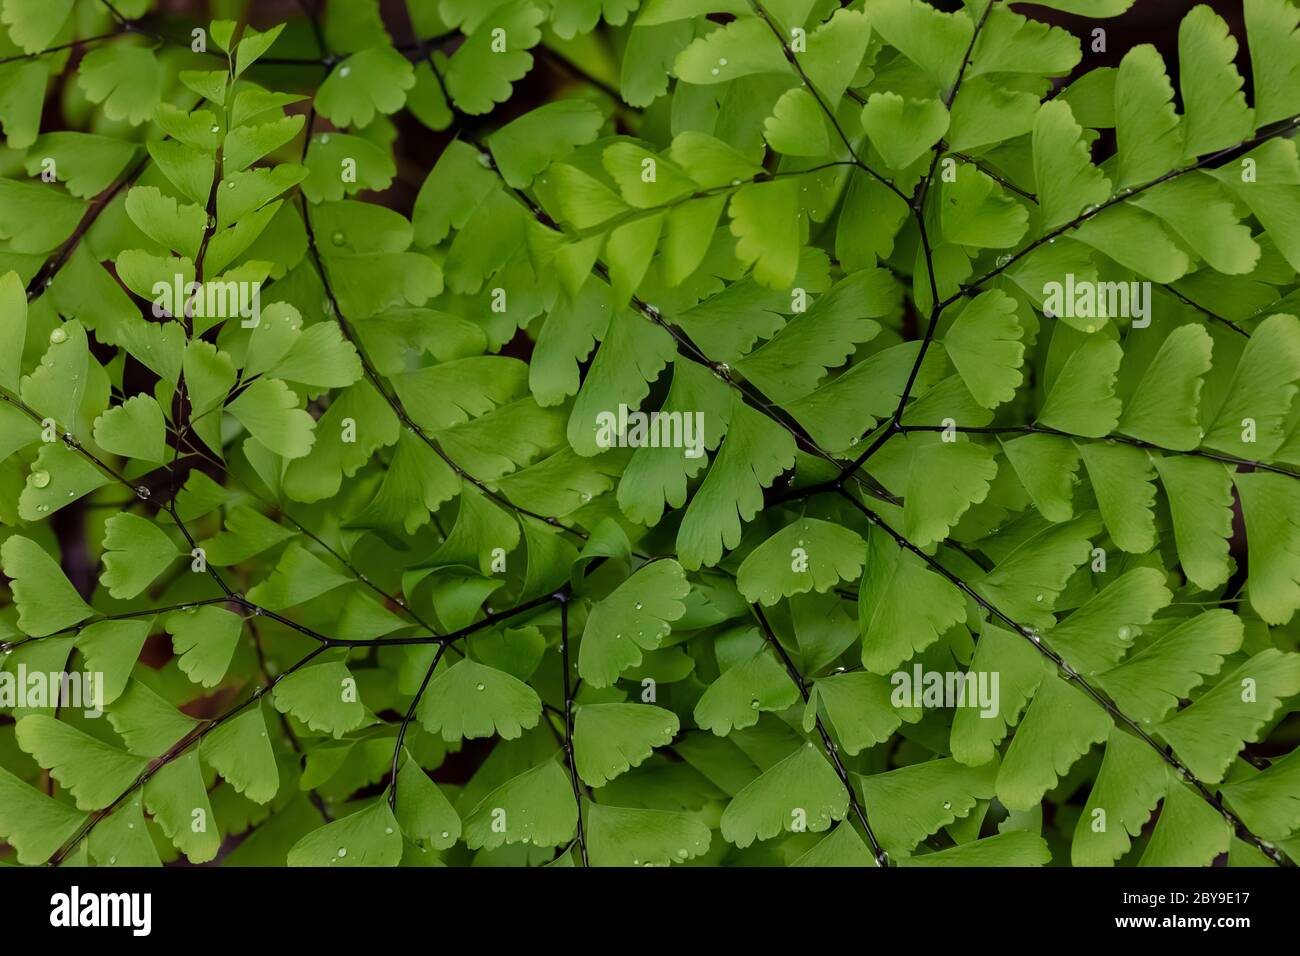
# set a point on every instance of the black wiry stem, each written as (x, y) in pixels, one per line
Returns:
(568, 724)
(831, 748)
(761, 12)
(406, 721)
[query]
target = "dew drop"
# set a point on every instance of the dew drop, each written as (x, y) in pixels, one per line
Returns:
(638, 605)
(722, 61)
(1124, 633)
(714, 71)
(947, 805)
(112, 859)
(343, 851)
(683, 853)
(142, 492)
(388, 829)
(480, 687)
(753, 704)
(345, 70)
(58, 336)
(1038, 597)
(216, 129)
(43, 508)
(230, 185)
(40, 479)
(445, 834)
(338, 238)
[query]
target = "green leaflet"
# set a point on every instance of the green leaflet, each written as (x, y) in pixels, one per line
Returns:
(1130, 782)
(800, 791)
(537, 807)
(1163, 407)
(1207, 734)
(896, 585)
(45, 599)
(323, 696)
(367, 82)
(472, 700)
(616, 631)
(891, 251)
(610, 739)
(34, 824)
(805, 555)
(204, 639)
(1067, 180)
(93, 771)
(754, 452)
(736, 698)
(241, 752)
(951, 791)
(984, 343)
(136, 551)
(1271, 508)
(368, 837)
(632, 837)
(1100, 632)
(1057, 729)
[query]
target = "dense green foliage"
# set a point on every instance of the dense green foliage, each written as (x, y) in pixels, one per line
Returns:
(963, 367)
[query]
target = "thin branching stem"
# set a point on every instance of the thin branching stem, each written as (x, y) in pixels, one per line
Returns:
(832, 749)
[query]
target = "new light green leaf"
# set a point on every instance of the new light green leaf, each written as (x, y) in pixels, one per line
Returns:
(323, 696)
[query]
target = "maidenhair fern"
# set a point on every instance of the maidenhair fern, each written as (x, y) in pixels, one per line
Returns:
(807, 433)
